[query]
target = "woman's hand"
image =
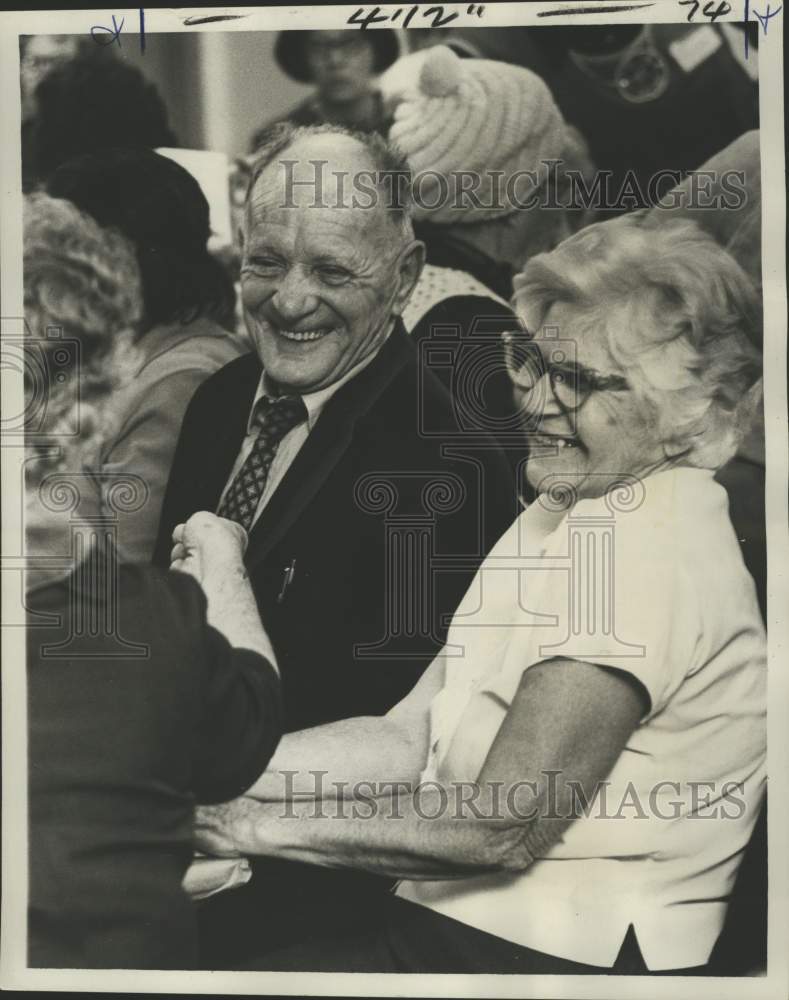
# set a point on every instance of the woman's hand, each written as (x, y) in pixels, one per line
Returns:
(207, 545)
(211, 549)
(224, 831)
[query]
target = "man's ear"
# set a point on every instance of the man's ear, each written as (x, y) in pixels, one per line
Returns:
(409, 265)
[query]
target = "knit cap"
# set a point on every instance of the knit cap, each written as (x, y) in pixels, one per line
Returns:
(456, 115)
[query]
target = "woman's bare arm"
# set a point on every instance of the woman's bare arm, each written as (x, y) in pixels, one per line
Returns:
(329, 761)
(567, 716)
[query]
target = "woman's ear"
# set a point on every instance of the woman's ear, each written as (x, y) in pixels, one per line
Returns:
(410, 264)
(674, 448)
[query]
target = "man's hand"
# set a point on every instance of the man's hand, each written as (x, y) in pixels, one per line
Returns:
(207, 545)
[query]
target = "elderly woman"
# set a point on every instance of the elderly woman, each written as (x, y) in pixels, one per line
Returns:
(590, 744)
(142, 698)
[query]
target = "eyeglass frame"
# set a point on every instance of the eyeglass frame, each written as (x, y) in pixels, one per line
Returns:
(596, 381)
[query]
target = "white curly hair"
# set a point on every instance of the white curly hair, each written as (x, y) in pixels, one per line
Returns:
(682, 318)
(81, 286)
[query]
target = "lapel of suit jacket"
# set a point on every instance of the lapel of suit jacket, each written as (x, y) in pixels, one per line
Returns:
(227, 435)
(326, 444)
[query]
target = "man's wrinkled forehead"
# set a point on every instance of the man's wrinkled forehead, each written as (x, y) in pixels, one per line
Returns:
(267, 217)
(316, 168)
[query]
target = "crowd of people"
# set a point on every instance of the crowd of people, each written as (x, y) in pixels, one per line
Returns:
(484, 329)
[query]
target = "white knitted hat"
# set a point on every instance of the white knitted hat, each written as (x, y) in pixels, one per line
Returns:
(471, 115)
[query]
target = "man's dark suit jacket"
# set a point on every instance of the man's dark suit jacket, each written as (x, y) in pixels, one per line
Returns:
(336, 521)
(357, 496)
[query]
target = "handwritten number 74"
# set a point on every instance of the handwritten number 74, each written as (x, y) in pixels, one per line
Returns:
(707, 10)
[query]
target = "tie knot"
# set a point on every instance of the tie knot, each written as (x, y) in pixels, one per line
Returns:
(279, 414)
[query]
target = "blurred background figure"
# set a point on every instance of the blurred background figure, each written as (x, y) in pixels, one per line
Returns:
(477, 135)
(188, 309)
(39, 55)
(739, 230)
(732, 214)
(679, 93)
(171, 695)
(82, 306)
(419, 39)
(343, 66)
(91, 103)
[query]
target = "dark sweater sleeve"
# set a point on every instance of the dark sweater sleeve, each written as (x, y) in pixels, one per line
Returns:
(242, 720)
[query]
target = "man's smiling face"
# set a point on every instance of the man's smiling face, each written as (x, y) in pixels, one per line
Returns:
(320, 286)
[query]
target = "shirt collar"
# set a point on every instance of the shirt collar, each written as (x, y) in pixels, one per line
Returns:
(314, 402)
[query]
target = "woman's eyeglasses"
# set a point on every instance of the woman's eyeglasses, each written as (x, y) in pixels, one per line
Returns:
(572, 384)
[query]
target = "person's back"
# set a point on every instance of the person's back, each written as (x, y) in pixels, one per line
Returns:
(132, 719)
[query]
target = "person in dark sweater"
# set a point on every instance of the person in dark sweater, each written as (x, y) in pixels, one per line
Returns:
(147, 691)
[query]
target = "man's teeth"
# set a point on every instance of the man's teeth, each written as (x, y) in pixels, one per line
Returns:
(303, 334)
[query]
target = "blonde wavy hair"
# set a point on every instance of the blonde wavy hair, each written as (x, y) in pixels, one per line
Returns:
(81, 291)
(683, 322)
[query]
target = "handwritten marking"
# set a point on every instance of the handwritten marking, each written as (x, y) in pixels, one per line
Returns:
(372, 18)
(142, 29)
(212, 18)
(746, 18)
(114, 32)
(591, 10)
(764, 19)
(723, 8)
(440, 17)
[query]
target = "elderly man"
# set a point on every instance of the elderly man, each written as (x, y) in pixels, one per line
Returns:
(341, 455)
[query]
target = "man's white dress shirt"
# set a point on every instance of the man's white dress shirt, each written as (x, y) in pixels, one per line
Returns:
(292, 442)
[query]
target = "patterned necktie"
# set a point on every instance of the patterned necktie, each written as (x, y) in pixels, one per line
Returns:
(273, 418)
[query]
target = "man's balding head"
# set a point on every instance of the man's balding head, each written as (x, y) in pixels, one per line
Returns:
(337, 167)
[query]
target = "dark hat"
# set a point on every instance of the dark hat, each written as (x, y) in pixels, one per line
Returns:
(289, 51)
